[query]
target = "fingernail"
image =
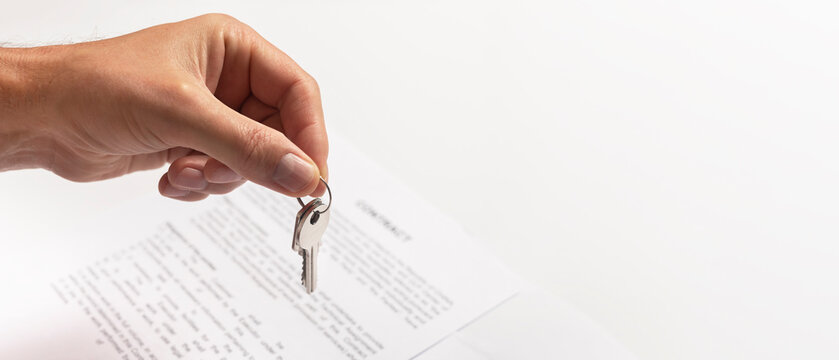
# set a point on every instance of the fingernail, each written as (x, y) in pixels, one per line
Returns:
(189, 178)
(293, 173)
(223, 175)
(172, 191)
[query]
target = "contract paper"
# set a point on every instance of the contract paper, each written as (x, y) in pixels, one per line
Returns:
(218, 279)
(532, 325)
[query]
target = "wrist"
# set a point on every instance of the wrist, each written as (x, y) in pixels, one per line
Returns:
(25, 134)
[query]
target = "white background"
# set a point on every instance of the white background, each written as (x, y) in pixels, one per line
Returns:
(668, 167)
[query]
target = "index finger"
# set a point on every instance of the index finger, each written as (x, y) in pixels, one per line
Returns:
(258, 78)
(279, 82)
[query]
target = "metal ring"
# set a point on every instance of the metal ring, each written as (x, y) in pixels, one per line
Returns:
(328, 190)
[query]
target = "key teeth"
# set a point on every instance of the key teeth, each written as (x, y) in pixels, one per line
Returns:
(303, 274)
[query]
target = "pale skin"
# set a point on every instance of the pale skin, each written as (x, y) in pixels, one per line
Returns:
(207, 95)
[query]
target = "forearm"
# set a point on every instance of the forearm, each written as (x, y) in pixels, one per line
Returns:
(25, 140)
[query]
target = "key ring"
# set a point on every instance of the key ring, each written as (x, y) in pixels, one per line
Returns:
(328, 190)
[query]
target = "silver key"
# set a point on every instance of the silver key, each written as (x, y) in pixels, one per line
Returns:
(309, 226)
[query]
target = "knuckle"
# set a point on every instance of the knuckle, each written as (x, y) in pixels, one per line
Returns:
(224, 26)
(181, 94)
(218, 18)
(256, 140)
(315, 84)
(310, 84)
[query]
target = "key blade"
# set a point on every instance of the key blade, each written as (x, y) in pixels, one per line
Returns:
(306, 270)
(310, 275)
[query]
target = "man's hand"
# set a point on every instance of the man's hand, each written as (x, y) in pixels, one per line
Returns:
(208, 94)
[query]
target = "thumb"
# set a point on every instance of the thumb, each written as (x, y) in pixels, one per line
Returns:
(255, 151)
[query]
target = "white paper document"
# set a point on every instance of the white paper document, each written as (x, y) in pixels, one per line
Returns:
(218, 279)
(531, 325)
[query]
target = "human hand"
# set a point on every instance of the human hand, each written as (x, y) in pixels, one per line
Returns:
(208, 94)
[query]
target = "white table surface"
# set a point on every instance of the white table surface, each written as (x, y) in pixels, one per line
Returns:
(669, 168)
